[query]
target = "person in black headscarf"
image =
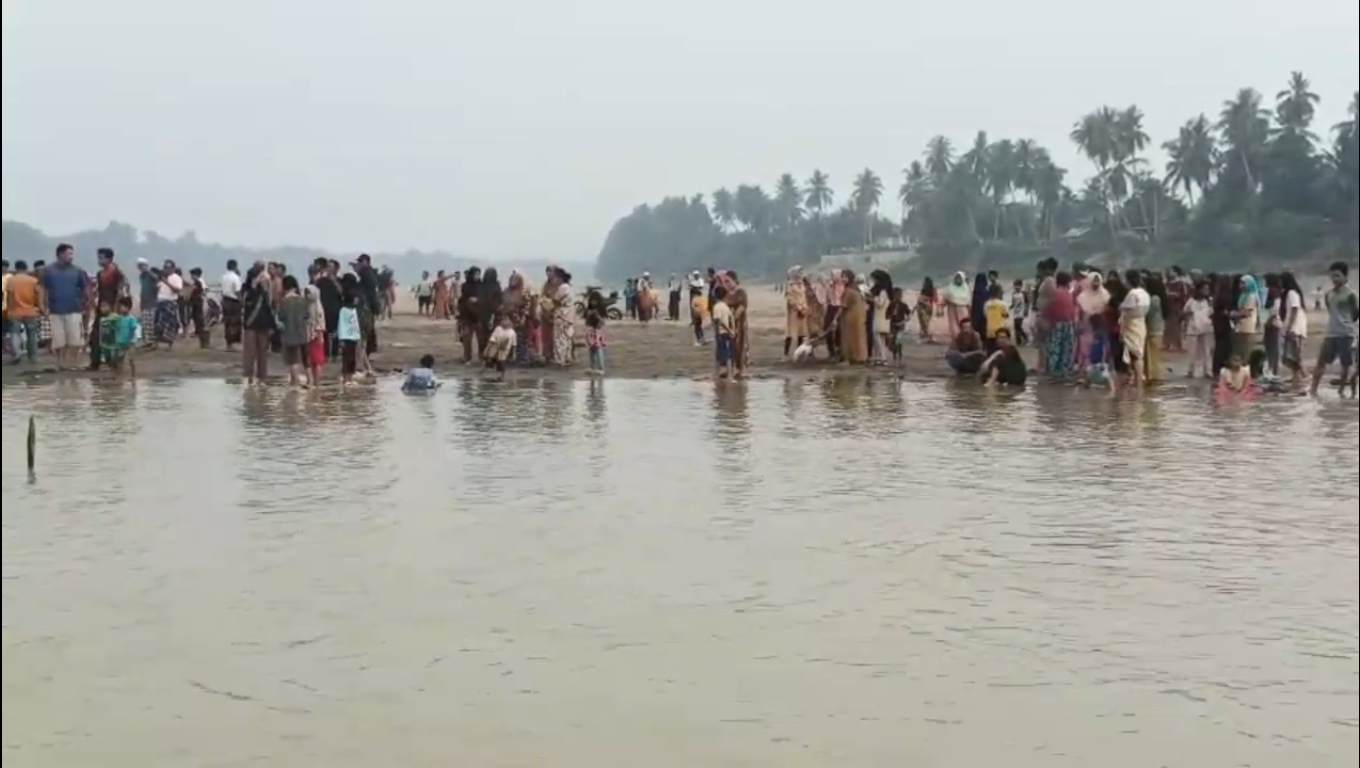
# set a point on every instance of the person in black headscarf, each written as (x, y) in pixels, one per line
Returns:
(981, 293)
(468, 314)
(489, 299)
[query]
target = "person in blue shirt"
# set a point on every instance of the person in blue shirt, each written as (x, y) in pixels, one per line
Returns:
(64, 286)
(421, 380)
(1097, 371)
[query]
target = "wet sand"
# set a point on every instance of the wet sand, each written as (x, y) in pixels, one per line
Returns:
(658, 350)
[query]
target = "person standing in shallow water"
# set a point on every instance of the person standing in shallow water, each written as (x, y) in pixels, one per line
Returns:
(231, 305)
(854, 339)
(795, 311)
(564, 321)
(258, 323)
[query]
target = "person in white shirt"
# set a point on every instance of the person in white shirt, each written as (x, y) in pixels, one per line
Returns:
(424, 291)
(230, 288)
(1295, 328)
(1133, 324)
(500, 346)
(1199, 330)
(169, 287)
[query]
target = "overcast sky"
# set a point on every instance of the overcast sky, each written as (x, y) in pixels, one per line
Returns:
(524, 128)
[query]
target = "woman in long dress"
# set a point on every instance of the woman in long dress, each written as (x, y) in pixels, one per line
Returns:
(563, 323)
(854, 325)
(958, 302)
(741, 326)
(795, 311)
(547, 306)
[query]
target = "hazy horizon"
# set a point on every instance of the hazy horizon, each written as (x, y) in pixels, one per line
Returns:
(525, 129)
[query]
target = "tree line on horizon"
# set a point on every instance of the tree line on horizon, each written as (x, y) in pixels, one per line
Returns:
(21, 241)
(1256, 182)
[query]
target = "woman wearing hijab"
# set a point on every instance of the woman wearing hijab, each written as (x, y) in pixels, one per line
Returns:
(1250, 300)
(978, 309)
(563, 321)
(545, 313)
(515, 304)
(489, 300)
(795, 311)
(469, 313)
(957, 300)
(925, 308)
(854, 325)
(1092, 301)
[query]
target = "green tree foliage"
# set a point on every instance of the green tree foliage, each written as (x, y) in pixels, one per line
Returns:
(1258, 183)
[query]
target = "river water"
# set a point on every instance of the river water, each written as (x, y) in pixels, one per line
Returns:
(672, 574)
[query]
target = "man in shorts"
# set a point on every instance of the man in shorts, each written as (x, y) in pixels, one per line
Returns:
(1338, 345)
(64, 293)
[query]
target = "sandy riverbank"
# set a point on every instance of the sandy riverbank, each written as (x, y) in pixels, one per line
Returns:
(659, 350)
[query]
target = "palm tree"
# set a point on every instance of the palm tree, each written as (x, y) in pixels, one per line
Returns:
(1296, 105)
(1348, 127)
(1129, 140)
(1048, 188)
(939, 157)
(999, 180)
(915, 190)
(818, 195)
(868, 192)
(1094, 134)
(1245, 127)
(752, 207)
(1026, 151)
(724, 209)
(1191, 157)
(975, 159)
(788, 199)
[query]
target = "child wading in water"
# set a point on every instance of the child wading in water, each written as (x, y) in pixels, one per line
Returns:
(595, 342)
(724, 363)
(347, 331)
(421, 379)
(118, 334)
(898, 314)
(500, 346)
(1097, 369)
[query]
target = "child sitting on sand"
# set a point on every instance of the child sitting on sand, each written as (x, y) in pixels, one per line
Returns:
(422, 379)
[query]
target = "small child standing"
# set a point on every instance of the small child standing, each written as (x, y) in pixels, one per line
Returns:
(348, 333)
(998, 316)
(595, 342)
(898, 314)
(118, 334)
(500, 346)
(1199, 331)
(724, 361)
(1019, 311)
(698, 314)
(316, 348)
(422, 379)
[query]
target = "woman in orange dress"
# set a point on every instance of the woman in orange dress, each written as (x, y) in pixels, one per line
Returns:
(854, 322)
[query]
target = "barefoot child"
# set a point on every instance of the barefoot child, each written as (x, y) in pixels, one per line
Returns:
(1096, 372)
(595, 342)
(119, 333)
(724, 364)
(347, 330)
(500, 346)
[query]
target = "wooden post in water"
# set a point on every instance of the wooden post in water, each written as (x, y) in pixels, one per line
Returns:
(32, 442)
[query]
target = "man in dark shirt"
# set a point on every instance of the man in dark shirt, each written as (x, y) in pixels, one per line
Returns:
(368, 289)
(327, 284)
(110, 286)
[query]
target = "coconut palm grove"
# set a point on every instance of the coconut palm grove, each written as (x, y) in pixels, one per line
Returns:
(1256, 182)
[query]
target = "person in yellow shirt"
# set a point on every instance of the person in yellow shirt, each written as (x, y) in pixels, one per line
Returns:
(998, 315)
(23, 302)
(698, 314)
